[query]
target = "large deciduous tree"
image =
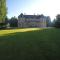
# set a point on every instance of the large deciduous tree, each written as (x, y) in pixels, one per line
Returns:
(3, 12)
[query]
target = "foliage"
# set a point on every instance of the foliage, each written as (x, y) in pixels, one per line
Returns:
(6, 19)
(57, 21)
(48, 21)
(13, 22)
(2, 25)
(3, 12)
(53, 23)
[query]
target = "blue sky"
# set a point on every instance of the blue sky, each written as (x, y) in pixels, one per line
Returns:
(47, 7)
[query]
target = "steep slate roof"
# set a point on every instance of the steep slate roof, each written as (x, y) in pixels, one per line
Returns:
(31, 16)
(28, 16)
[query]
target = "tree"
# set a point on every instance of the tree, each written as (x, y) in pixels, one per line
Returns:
(3, 12)
(13, 22)
(57, 22)
(53, 22)
(48, 20)
(6, 20)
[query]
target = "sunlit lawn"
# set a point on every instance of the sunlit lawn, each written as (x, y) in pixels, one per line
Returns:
(5, 32)
(30, 44)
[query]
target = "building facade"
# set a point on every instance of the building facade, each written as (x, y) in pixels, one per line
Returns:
(27, 21)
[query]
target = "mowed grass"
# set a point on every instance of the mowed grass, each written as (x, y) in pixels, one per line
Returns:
(30, 44)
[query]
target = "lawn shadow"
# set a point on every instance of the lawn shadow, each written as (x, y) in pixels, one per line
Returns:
(32, 45)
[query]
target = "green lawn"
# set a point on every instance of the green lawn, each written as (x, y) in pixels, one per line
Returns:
(30, 44)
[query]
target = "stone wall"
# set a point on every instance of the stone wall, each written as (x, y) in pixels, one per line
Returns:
(24, 22)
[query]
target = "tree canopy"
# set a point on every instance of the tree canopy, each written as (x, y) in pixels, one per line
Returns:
(3, 11)
(57, 21)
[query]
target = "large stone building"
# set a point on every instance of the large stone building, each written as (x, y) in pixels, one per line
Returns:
(32, 21)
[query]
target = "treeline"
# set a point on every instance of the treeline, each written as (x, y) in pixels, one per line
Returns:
(56, 22)
(12, 22)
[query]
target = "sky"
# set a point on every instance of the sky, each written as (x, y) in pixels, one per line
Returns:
(47, 7)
